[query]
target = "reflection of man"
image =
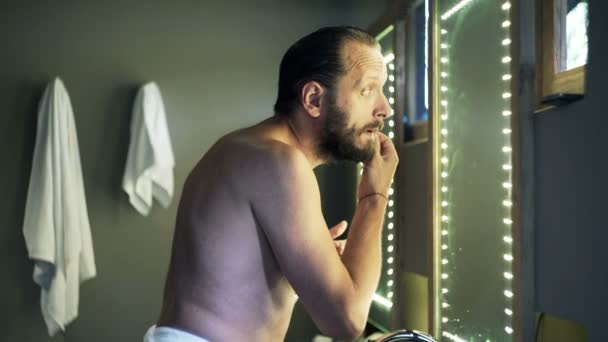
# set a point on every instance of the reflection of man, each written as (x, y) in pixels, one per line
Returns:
(250, 229)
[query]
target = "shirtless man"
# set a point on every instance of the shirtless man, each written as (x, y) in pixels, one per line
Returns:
(250, 233)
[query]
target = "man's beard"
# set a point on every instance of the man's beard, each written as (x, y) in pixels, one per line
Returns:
(337, 141)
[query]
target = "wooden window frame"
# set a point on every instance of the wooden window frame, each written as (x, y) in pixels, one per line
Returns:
(550, 54)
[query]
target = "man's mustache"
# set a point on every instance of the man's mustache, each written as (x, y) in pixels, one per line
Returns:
(376, 125)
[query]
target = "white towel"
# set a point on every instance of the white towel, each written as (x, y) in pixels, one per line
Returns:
(150, 161)
(56, 224)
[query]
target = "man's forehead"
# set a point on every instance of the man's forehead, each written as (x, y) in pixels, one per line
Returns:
(364, 59)
(357, 55)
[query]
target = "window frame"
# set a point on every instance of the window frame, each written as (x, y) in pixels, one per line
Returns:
(550, 81)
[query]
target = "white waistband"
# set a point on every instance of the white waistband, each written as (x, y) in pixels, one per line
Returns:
(168, 334)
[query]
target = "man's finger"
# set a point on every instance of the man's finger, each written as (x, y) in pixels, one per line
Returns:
(338, 229)
(340, 245)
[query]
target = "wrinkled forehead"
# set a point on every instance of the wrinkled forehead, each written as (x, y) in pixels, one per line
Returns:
(361, 60)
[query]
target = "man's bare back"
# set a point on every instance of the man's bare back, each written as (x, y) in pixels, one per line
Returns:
(217, 234)
(250, 231)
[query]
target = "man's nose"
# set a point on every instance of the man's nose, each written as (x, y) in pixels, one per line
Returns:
(384, 109)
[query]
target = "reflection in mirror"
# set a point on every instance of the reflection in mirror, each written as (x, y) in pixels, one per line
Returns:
(473, 174)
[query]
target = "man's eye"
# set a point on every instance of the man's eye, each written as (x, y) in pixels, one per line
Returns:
(366, 91)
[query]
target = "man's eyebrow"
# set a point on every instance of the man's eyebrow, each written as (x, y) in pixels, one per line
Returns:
(359, 81)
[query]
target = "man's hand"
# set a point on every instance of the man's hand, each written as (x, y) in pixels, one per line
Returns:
(379, 171)
(336, 231)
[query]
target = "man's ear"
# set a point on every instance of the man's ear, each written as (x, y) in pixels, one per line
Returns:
(311, 96)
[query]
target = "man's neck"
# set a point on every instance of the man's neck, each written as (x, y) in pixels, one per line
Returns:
(303, 136)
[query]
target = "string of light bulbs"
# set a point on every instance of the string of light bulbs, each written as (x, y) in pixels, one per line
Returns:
(507, 167)
(389, 224)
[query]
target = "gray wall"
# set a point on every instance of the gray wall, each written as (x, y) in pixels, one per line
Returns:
(216, 64)
(571, 162)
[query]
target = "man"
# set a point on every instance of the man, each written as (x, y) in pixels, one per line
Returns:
(250, 233)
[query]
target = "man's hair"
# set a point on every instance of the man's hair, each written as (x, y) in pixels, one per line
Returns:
(315, 57)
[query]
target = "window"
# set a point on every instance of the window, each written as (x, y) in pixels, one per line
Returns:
(562, 60)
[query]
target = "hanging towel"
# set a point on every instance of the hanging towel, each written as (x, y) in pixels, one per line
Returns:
(56, 224)
(150, 161)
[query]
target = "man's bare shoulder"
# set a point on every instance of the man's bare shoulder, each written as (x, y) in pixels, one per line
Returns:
(263, 164)
(264, 153)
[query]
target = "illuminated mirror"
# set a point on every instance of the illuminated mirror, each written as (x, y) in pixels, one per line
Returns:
(473, 202)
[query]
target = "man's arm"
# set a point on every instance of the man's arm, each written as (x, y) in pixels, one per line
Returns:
(336, 292)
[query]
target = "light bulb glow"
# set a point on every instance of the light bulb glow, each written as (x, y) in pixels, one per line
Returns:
(389, 58)
(454, 9)
(382, 301)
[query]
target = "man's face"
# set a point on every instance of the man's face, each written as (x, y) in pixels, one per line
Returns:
(355, 109)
